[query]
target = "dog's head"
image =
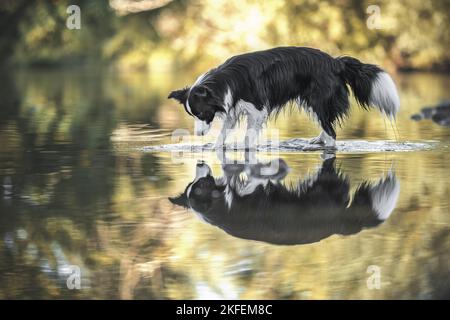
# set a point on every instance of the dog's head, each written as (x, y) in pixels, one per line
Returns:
(201, 102)
(201, 193)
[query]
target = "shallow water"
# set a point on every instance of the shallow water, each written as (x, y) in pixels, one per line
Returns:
(80, 195)
(300, 145)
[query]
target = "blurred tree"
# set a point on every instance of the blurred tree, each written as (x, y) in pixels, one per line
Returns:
(164, 33)
(10, 13)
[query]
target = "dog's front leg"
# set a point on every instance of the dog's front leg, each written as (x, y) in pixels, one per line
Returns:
(255, 122)
(229, 123)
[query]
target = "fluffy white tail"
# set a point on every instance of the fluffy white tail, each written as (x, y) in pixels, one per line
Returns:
(372, 86)
(384, 96)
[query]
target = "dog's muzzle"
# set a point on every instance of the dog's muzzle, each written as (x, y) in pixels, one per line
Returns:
(202, 170)
(201, 127)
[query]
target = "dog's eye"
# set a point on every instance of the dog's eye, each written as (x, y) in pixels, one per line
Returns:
(201, 92)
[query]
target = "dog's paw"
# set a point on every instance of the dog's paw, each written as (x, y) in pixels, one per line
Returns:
(328, 154)
(323, 140)
(316, 140)
(220, 146)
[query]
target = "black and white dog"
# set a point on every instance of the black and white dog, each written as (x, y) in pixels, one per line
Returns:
(263, 208)
(260, 84)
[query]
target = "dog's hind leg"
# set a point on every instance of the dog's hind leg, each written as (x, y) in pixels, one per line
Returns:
(330, 104)
(327, 137)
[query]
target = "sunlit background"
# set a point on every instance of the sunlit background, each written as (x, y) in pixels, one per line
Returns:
(76, 188)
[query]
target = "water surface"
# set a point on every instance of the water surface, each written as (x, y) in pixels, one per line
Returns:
(78, 191)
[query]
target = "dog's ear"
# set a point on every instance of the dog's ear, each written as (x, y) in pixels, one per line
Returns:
(181, 200)
(180, 95)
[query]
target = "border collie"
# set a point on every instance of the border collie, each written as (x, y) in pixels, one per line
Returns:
(259, 84)
(263, 208)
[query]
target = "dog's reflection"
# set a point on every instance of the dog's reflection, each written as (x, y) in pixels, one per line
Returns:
(262, 208)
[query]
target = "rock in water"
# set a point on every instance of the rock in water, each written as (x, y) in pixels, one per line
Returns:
(439, 114)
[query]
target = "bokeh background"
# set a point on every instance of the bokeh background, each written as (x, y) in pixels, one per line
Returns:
(164, 34)
(76, 106)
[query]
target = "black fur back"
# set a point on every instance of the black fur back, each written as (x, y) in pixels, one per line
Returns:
(311, 78)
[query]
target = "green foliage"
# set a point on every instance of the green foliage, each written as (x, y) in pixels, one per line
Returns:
(412, 34)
